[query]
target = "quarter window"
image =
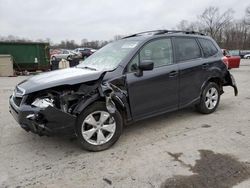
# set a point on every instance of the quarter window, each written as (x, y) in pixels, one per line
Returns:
(133, 65)
(208, 47)
(186, 49)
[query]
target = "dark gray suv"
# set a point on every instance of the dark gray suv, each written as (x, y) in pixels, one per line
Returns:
(137, 77)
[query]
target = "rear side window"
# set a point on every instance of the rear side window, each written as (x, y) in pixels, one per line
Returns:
(186, 49)
(208, 47)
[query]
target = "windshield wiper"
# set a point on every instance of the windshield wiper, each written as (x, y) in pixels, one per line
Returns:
(90, 68)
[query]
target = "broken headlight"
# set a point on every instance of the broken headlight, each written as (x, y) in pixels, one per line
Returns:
(43, 102)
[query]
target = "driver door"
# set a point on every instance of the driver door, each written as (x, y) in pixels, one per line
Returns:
(156, 91)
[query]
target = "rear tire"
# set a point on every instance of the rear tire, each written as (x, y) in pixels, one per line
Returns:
(97, 129)
(210, 99)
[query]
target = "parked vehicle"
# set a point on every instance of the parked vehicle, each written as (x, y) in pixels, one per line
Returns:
(54, 51)
(247, 56)
(64, 54)
(233, 61)
(137, 77)
(244, 52)
(240, 53)
(86, 52)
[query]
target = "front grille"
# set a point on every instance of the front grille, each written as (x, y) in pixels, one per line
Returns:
(17, 100)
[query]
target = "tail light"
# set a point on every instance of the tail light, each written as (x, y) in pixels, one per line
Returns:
(225, 61)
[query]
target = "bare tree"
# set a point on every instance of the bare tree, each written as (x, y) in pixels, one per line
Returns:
(183, 25)
(247, 17)
(229, 33)
(235, 36)
(213, 21)
(118, 37)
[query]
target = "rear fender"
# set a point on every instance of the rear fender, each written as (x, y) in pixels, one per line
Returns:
(215, 76)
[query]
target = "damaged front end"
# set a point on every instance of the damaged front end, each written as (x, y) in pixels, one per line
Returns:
(54, 111)
(42, 116)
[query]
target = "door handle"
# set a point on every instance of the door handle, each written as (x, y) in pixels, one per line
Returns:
(173, 73)
(205, 66)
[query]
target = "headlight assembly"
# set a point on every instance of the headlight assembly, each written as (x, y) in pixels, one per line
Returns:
(43, 102)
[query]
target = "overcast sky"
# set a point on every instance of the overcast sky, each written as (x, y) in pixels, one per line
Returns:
(100, 19)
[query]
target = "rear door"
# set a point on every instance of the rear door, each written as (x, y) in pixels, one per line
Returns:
(192, 68)
(155, 91)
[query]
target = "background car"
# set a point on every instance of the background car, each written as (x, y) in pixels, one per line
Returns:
(54, 51)
(86, 52)
(64, 54)
(247, 56)
(233, 61)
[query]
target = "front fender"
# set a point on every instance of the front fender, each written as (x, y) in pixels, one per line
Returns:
(85, 103)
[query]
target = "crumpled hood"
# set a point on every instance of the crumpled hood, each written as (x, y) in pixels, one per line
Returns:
(69, 76)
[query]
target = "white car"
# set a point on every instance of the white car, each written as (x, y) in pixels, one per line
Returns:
(85, 52)
(247, 56)
(64, 54)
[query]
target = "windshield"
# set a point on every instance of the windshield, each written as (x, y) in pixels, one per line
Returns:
(109, 57)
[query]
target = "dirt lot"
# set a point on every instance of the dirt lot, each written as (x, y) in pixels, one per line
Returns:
(180, 149)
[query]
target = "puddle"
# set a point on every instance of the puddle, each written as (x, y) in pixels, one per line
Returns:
(211, 170)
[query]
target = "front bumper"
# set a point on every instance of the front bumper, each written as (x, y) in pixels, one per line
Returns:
(49, 121)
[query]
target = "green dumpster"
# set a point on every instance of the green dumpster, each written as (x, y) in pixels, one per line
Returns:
(29, 56)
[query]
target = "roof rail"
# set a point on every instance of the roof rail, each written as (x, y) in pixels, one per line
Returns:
(161, 32)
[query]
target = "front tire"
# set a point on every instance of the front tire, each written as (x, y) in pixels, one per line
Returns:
(97, 129)
(210, 99)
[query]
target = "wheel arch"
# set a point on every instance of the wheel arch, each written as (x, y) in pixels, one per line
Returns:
(215, 79)
(120, 106)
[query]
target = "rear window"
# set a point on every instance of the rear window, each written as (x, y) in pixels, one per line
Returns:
(208, 47)
(186, 49)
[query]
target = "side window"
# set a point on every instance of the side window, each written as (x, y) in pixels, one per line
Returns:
(159, 51)
(186, 49)
(208, 47)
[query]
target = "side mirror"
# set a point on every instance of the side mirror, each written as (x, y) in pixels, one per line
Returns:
(145, 65)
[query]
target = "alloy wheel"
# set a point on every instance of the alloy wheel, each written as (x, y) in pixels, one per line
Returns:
(211, 98)
(98, 127)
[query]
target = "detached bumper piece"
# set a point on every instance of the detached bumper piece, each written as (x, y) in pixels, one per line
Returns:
(230, 81)
(49, 121)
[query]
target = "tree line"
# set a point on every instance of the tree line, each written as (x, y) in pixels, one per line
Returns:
(229, 33)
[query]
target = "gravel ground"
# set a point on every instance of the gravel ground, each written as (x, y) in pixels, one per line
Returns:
(179, 149)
